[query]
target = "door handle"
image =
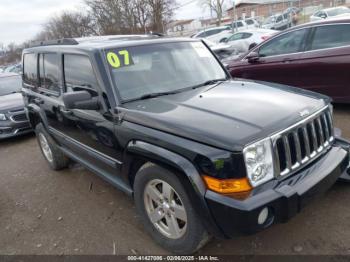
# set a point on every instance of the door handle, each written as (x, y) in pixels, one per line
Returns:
(287, 60)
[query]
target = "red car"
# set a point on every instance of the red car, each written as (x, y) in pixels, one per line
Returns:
(313, 56)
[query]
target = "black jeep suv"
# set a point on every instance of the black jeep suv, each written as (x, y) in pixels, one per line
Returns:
(161, 119)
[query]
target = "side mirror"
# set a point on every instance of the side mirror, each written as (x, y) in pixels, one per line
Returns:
(323, 16)
(253, 57)
(224, 40)
(80, 100)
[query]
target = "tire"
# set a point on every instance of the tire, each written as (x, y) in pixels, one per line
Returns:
(190, 236)
(53, 155)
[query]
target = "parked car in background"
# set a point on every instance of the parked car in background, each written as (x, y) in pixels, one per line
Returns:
(244, 40)
(212, 33)
(17, 68)
(237, 26)
(314, 56)
(249, 23)
(334, 12)
(278, 22)
(13, 120)
(221, 50)
(252, 23)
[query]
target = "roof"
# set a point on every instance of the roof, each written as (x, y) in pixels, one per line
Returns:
(258, 2)
(107, 42)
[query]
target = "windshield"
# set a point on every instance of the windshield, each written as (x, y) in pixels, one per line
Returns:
(168, 67)
(9, 85)
(338, 11)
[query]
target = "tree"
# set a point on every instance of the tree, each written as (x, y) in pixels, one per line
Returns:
(216, 6)
(130, 16)
(67, 25)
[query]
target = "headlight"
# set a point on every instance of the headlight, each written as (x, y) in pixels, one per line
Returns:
(258, 161)
(2, 117)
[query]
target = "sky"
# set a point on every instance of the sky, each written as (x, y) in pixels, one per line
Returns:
(21, 20)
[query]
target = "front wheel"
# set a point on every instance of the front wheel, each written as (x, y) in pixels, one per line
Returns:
(166, 210)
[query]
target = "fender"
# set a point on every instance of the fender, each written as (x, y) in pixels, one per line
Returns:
(36, 110)
(177, 161)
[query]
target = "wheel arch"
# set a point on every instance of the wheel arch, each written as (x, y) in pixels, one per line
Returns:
(35, 116)
(140, 153)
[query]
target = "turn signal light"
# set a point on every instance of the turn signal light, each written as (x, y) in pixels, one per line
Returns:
(227, 186)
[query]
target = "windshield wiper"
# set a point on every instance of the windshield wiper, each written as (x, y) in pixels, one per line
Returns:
(207, 83)
(152, 95)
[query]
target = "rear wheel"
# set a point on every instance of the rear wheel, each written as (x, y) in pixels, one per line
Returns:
(53, 155)
(166, 210)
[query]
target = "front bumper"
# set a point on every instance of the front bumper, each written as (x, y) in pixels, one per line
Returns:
(12, 127)
(283, 198)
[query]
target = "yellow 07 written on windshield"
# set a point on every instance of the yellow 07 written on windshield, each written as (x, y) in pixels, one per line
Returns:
(119, 59)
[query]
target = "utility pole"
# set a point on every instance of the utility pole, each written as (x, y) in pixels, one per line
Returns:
(234, 16)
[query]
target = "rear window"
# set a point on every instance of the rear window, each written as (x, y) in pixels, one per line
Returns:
(30, 70)
(9, 85)
(331, 36)
(79, 74)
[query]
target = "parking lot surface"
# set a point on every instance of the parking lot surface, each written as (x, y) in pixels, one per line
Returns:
(75, 212)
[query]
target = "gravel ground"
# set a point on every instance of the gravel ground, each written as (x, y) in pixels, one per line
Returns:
(75, 212)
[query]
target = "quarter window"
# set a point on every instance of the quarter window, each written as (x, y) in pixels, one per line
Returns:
(331, 36)
(79, 74)
(284, 44)
(30, 70)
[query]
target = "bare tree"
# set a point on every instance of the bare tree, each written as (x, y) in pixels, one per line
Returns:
(130, 16)
(216, 6)
(67, 25)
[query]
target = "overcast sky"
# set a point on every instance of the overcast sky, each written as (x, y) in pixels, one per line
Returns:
(21, 20)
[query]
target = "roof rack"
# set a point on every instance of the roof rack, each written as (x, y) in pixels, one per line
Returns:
(62, 41)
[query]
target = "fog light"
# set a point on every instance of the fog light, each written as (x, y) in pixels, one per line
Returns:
(264, 214)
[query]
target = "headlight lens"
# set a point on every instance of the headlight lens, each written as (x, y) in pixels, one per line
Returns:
(259, 163)
(2, 117)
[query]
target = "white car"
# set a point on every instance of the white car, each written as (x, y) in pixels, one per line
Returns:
(212, 32)
(334, 12)
(244, 40)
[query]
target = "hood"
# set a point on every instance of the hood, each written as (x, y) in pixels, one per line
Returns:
(11, 101)
(229, 115)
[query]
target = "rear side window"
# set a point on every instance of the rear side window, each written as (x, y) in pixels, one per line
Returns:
(331, 36)
(49, 72)
(30, 70)
(285, 44)
(79, 74)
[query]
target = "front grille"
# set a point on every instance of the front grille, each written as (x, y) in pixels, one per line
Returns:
(19, 117)
(302, 143)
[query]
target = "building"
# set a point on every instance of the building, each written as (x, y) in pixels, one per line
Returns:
(183, 27)
(265, 8)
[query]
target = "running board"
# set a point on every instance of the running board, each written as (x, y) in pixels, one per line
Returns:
(113, 180)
